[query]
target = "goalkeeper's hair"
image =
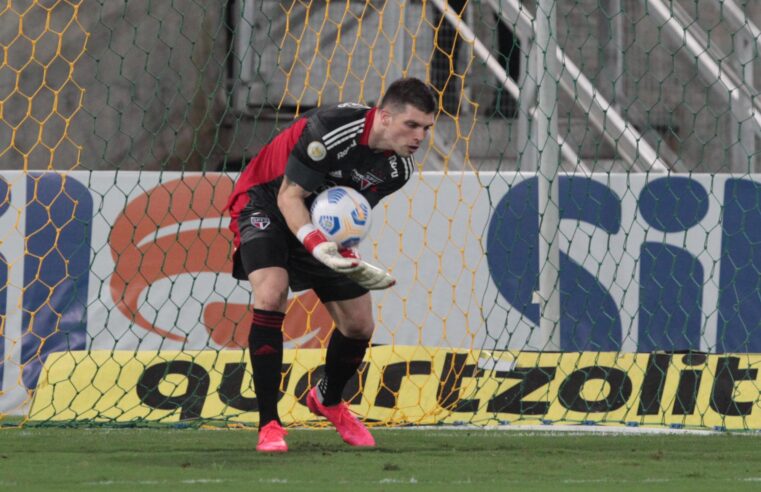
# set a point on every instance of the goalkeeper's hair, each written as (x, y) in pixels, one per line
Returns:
(410, 91)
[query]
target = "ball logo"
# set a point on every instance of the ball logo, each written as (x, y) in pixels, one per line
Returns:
(316, 151)
(330, 224)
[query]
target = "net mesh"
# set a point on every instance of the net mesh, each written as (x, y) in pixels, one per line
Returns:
(122, 127)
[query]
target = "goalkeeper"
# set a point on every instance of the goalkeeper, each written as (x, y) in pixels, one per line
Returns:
(277, 247)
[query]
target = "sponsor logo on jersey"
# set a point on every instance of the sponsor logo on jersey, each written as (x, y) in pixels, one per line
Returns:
(394, 170)
(316, 151)
(342, 153)
(335, 174)
(365, 180)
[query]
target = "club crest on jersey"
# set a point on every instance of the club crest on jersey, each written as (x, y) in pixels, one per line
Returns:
(260, 222)
(365, 180)
(316, 151)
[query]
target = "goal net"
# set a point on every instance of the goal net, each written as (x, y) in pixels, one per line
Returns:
(578, 244)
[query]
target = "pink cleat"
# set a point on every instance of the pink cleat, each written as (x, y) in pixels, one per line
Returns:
(352, 431)
(271, 438)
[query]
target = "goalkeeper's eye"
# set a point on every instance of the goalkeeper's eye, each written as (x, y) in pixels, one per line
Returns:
(414, 125)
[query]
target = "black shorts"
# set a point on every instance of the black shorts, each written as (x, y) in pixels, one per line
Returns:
(266, 241)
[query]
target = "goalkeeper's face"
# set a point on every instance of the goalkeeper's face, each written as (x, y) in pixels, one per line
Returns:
(406, 129)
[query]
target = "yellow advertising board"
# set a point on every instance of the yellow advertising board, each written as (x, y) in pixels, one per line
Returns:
(413, 385)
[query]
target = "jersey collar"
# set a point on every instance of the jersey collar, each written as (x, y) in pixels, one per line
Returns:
(369, 118)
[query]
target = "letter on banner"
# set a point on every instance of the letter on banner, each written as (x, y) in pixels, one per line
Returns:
(56, 269)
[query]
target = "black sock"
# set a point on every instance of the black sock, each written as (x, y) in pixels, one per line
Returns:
(341, 363)
(265, 342)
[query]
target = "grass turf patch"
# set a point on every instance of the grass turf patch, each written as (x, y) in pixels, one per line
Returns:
(202, 459)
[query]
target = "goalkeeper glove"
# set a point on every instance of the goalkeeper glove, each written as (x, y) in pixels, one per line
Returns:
(367, 275)
(326, 251)
(371, 277)
(344, 261)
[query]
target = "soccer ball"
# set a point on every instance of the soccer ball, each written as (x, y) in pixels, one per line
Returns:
(342, 214)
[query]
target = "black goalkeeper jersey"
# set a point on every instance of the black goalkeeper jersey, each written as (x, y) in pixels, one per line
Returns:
(326, 147)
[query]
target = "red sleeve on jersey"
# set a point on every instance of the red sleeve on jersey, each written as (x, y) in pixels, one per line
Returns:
(267, 165)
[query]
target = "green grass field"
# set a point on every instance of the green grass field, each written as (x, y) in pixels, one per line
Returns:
(41, 458)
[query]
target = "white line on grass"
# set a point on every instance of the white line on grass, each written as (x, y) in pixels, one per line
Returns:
(576, 481)
(201, 481)
(531, 430)
(396, 480)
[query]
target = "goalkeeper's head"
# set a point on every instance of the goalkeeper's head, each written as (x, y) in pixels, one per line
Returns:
(405, 114)
(410, 91)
